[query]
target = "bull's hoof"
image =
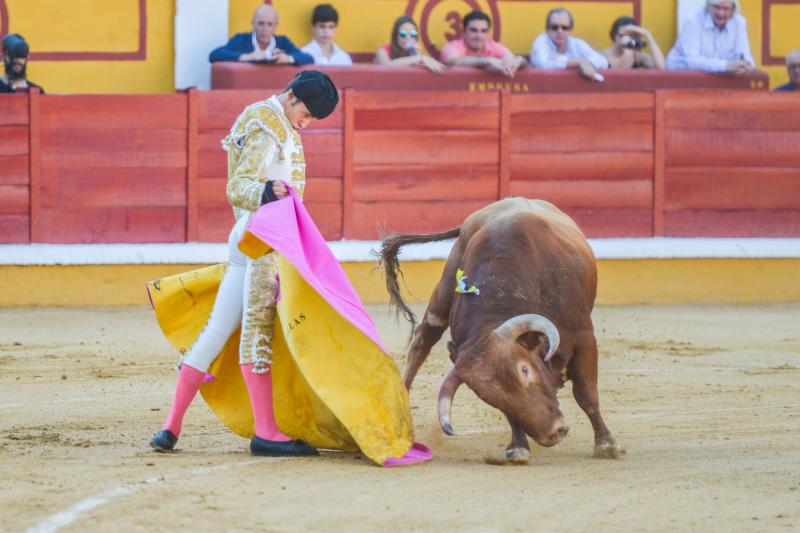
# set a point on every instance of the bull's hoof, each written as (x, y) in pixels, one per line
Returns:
(511, 456)
(608, 449)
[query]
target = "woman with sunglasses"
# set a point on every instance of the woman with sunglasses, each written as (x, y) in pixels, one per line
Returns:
(404, 48)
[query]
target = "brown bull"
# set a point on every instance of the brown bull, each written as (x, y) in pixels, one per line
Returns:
(517, 294)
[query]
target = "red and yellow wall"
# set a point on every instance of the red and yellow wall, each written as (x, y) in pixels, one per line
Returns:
(127, 46)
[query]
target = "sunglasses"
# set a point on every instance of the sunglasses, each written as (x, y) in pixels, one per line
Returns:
(413, 34)
(556, 27)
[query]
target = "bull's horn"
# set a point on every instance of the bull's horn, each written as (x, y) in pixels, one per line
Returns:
(446, 393)
(511, 329)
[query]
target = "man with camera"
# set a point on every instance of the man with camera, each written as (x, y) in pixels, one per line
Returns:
(629, 40)
(15, 60)
(557, 48)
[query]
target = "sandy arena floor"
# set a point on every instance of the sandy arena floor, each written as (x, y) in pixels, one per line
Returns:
(706, 399)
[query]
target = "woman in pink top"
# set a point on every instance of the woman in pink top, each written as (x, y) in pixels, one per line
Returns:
(404, 48)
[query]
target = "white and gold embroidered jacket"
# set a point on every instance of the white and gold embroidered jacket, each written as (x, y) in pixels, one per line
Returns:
(261, 146)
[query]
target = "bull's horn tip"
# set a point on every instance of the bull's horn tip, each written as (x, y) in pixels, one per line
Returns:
(448, 428)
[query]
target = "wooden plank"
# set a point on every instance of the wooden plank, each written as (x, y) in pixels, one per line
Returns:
(14, 110)
(94, 148)
(732, 188)
(114, 112)
(348, 146)
(571, 102)
(219, 109)
(14, 140)
(582, 166)
(428, 117)
(388, 100)
(14, 200)
(733, 223)
(113, 187)
(192, 167)
(598, 223)
(424, 182)
(504, 168)
(744, 148)
(724, 119)
(15, 229)
(91, 225)
(600, 194)
(14, 170)
(328, 218)
(578, 118)
(376, 218)
(588, 137)
(211, 191)
(34, 99)
(705, 99)
(215, 223)
(324, 190)
(323, 152)
(426, 147)
(659, 166)
(212, 160)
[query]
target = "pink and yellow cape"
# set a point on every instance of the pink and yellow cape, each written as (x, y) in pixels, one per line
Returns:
(335, 386)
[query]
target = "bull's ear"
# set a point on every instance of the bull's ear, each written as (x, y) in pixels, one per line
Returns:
(451, 347)
(533, 341)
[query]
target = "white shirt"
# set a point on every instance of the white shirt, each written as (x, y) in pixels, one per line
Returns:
(339, 58)
(270, 47)
(544, 53)
(703, 46)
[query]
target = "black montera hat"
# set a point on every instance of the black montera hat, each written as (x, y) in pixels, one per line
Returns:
(15, 46)
(317, 91)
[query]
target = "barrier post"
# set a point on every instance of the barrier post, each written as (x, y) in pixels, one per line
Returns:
(659, 158)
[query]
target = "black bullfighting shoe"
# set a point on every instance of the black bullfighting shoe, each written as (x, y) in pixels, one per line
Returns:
(163, 441)
(274, 448)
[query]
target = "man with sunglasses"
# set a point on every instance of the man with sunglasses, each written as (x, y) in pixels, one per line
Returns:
(558, 49)
(477, 49)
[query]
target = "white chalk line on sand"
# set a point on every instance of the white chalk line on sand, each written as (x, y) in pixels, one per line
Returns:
(60, 519)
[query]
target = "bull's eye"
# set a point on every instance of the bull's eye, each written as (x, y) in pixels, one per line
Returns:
(526, 371)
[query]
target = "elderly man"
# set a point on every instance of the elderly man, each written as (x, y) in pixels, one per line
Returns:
(558, 49)
(262, 45)
(714, 39)
(15, 60)
(476, 49)
(793, 66)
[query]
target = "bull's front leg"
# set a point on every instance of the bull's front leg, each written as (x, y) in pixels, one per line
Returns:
(583, 372)
(518, 452)
(426, 335)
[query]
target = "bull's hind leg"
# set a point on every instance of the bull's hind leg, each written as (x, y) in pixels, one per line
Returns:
(583, 372)
(435, 321)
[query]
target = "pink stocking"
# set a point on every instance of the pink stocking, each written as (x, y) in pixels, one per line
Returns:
(259, 386)
(189, 381)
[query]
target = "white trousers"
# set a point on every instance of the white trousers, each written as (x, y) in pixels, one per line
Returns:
(226, 314)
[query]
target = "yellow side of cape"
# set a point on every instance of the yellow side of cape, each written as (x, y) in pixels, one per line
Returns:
(332, 386)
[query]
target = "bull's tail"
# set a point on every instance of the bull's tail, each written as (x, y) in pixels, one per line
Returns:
(390, 248)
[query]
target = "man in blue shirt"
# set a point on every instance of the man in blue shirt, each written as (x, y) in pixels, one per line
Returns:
(714, 39)
(793, 66)
(262, 45)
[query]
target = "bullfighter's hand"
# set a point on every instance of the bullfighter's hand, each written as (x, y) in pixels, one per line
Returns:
(282, 58)
(280, 189)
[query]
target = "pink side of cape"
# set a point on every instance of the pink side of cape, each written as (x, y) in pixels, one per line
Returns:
(287, 227)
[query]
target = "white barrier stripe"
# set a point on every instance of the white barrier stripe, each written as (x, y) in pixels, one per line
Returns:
(365, 251)
(60, 519)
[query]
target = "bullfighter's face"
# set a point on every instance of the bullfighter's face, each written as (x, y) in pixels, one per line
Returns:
(513, 378)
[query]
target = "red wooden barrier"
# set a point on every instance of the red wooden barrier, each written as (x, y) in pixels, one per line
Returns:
(14, 174)
(110, 169)
(732, 164)
(591, 155)
(151, 168)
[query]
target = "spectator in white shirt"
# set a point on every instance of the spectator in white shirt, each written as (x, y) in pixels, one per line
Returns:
(558, 49)
(324, 20)
(714, 39)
